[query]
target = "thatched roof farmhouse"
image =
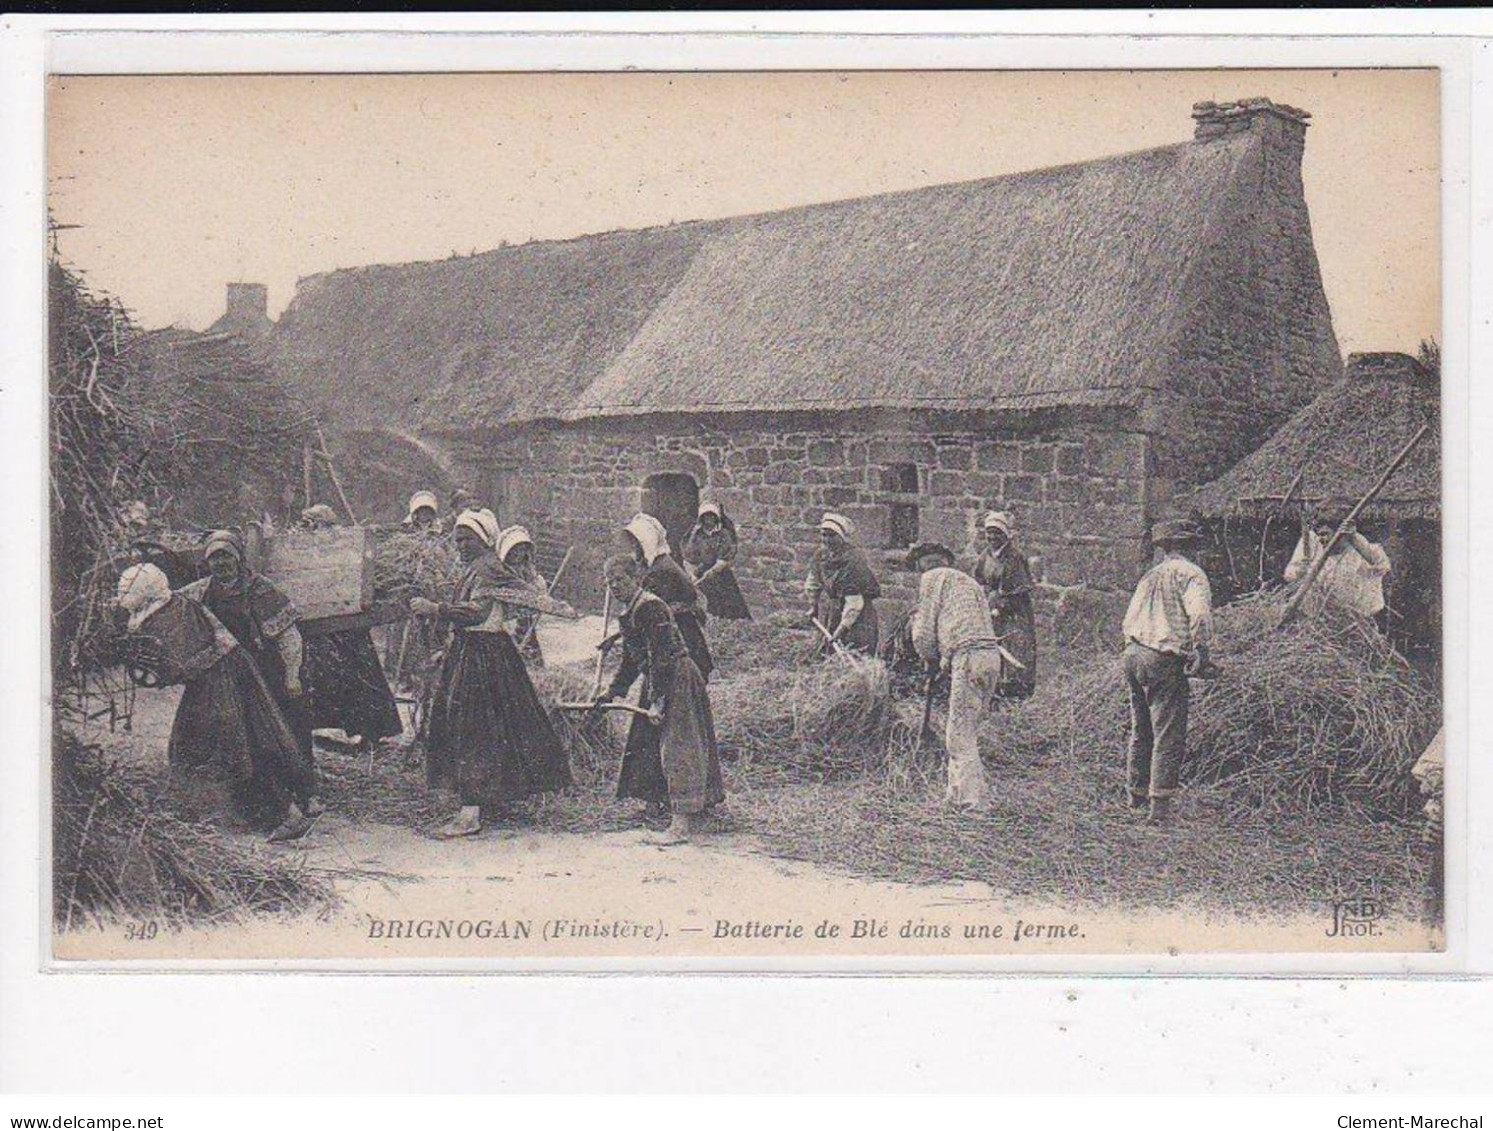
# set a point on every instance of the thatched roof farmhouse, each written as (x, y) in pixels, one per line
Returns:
(1075, 344)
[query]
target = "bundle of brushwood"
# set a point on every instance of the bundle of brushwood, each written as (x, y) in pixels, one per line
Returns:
(100, 446)
(192, 425)
(121, 851)
(828, 720)
(1322, 712)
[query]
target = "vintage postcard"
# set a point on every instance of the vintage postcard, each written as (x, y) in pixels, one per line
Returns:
(732, 518)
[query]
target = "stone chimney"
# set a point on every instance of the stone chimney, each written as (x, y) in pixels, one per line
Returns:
(1280, 125)
(248, 304)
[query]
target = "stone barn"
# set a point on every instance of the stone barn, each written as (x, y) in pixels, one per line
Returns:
(1075, 344)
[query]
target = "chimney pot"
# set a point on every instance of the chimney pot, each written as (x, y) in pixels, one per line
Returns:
(1219, 119)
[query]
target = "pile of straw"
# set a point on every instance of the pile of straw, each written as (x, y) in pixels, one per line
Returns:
(1054, 832)
(594, 741)
(120, 851)
(751, 645)
(386, 786)
(829, 719)
(1321, 712)
(407, 564)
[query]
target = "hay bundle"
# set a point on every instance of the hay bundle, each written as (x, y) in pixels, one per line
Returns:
(120, 851)
(1324, 711)
(408, 564)
(830, 719)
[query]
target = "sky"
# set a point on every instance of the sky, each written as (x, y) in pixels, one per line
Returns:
(181, 184)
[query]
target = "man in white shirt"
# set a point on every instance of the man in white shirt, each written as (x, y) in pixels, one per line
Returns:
(952, 628)
(1352, 577)
(1168, 628)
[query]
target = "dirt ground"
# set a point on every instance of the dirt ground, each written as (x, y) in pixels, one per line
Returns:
(1056, 848)
(391, 870)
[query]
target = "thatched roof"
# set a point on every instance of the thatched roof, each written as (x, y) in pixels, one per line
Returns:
(1345, 439)
(512, 334)
(1055, 287)
(1080, 285)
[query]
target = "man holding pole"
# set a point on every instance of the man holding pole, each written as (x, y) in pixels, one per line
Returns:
(1352, 575)
(1168, 628)
(952, 628)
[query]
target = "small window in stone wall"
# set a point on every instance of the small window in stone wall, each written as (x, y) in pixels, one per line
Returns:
(899, 481)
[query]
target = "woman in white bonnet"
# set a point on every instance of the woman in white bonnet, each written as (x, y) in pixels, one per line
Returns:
(1006, 576)
(648, 542)
(228, 729)
(843, 588)
(491, 740)
(516, 552)
(710, 550)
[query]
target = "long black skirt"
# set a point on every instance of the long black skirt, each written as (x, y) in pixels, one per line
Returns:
(490, 739)
(348, 687)
(296, 711)
(693, 633)
(231, 737)
(676, 761)
(723, 596)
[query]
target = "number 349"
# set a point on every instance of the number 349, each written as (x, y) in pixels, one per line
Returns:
(140, 932)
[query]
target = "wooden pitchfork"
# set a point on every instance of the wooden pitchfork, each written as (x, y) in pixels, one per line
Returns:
(652, 716)
(829, 636)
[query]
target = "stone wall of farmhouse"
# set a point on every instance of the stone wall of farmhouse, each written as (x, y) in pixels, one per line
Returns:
(1078, 495)
(1256, 343)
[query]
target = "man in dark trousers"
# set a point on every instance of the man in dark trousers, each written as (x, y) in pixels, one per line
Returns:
(1168, 628)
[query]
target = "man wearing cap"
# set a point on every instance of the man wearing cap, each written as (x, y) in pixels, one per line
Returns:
(318, 517)
(1168, 628)
(952, 629)
(842, 589)
(1006, 576)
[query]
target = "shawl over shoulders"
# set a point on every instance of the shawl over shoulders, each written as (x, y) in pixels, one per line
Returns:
(847, 575)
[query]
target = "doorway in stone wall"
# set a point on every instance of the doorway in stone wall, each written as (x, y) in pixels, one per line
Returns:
(674, 499)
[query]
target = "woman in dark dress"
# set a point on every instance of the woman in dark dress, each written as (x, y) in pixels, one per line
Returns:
(263, 620)
(671, 762)
(348, 688)
(516, 552)
(843, 589)
(710, 553)
(416, 642)
(490, 738)
(1006, 577)
(346, 683)
(228, 731)
(666, 579)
